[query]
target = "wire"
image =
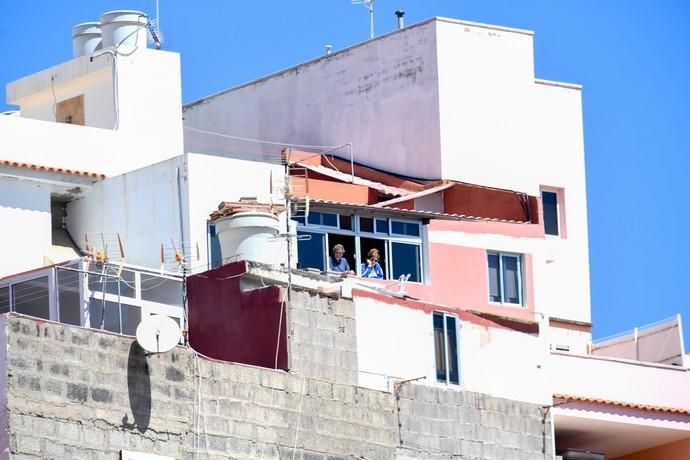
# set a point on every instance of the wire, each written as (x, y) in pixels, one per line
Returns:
(260, 141)
(299, 415)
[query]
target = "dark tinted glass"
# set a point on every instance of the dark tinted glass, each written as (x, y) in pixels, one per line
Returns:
(366, 224)
(4, 299)
(452, 340)
(131, 317)
(31, 297)
(329, 220)
(345, 222)
(314, 218)
(69, 296)
(494, 278)
(404, 228)
(511, 279)
(214, 247)
(406, 261)
(310, 253)
(550, 203)
(381, 226)
(440, 347)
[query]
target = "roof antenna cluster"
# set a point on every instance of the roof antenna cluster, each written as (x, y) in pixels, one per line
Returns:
(368, 4)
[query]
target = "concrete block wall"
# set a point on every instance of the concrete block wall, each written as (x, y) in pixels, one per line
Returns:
(79, 393)
(323, 337)
(437, 422)
(76, 393)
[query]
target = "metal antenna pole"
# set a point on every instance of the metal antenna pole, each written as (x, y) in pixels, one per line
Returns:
(371, 19)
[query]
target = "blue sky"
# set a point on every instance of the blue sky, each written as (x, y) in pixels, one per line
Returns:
(631, 56)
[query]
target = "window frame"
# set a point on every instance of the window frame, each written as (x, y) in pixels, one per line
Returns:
(501, 286)
(556, 196)
(446, 347)
(303, 225)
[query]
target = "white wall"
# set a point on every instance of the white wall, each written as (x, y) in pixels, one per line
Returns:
(397, 342)
(26, 229)
(381, 96)
(149, 125)
(4, 387)
(143, 205)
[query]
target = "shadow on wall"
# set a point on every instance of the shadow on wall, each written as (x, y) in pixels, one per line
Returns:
(139, 388)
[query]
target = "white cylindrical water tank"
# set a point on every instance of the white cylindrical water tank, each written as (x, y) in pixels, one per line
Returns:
(251, 236)
(124, 27)
(86, 38)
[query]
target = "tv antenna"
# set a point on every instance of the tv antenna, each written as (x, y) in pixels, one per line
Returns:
(368, 4)
(178, 256)
(153, 27)
(158, 334)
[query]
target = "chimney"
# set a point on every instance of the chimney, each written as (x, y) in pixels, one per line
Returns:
(401, 22)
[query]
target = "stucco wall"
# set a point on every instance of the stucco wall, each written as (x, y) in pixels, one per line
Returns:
(26, 230)
(395, 341)
(679, 450)
(382, 97)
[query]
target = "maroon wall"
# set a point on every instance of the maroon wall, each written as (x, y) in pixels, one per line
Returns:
(228, 324)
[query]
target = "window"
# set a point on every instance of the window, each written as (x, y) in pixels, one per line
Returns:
(549, 202)
(446, 347)
(31, 297)
(399, 243)
(505, 278)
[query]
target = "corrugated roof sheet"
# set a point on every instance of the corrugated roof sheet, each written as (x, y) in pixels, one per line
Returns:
(631, 405)
(51, 169)
(414, 212)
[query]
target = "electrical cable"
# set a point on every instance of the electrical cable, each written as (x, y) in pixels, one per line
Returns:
(259, 141)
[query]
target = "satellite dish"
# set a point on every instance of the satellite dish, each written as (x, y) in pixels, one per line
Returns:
(158, 334)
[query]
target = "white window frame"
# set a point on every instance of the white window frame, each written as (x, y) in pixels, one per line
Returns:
(357, 233)
(559, 224)
(501, 286)
(446, 346)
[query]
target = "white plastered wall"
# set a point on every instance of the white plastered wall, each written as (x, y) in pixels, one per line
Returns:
(144, 127)
(26, 228)
(381, 96)
(143, 205)
(395, 342)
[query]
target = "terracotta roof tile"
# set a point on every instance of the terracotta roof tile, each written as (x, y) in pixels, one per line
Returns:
(631, 405)
(51, 169)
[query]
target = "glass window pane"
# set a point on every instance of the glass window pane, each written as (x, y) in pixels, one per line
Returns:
(329, 220)
(397, 227)
(310, 253)
(494, 278)
(411, 229)
(439, 346)
(511, 279)
(314, 218)
(550, 204)
(131, 317)
(162, 290)
(298, 219)
(31, 297)
(4, 299)
(110, 283)
(366, 224)
(453, 371)
(406, 261)
(214, 254)
(69, 296)
(345, 222)
(381, 225)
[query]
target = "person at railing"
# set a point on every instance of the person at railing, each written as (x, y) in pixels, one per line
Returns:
(371, 268)
(337, 263)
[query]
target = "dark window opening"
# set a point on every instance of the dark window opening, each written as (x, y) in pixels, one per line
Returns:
(348, 243)
(550, 204)
(366, 224)
(446, 347)
(406, 261)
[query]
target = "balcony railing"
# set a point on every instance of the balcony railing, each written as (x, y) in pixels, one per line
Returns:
(99, 296)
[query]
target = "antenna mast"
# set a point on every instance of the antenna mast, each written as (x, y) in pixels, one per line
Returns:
(368, 4)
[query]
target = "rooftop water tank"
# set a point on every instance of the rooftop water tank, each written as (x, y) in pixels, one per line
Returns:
(249, 235)
(124, 27)
(86, 38)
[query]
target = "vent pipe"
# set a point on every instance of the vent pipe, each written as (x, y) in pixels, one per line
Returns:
(401, 22)
(329, 49)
